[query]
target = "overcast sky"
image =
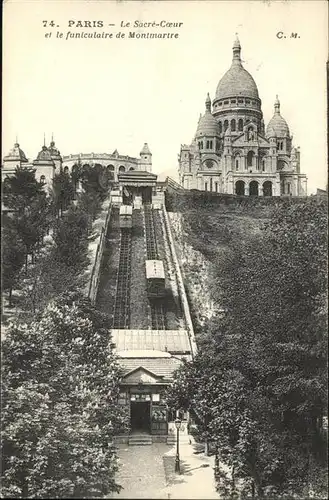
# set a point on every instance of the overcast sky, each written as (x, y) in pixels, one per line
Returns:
(97, 95)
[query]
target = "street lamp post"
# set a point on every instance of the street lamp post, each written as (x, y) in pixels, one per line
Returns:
(177, 460)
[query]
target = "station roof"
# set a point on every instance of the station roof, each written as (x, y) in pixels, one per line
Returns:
(160, 367)
(154, 269)
(171, 341)
(137, 178)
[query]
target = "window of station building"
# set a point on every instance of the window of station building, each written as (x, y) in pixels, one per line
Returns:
(240, 125)
(233, 125)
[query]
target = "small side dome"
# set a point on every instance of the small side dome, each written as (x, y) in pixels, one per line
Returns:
(207, 125)
(16, 153)
(44, 157)
(277, 122)
(54, 152)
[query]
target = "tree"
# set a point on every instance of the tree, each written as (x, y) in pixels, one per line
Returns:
(261, 371)
(21, 189)
(47, 279)
(70, 238)
(60, 412)
(96, 179)
(13, 255)
(63, 192)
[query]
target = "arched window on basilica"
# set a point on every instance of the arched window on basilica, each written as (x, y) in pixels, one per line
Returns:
(43, 179)
(66, 170)
(225, 125)
(237, 162)
(220, 127)
(240, 125)
(233, 125)
(250, 158)
(263, 163)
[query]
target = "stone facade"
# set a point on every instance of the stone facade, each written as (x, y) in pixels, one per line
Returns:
(115, 162)
(49, 161)
(232, 152)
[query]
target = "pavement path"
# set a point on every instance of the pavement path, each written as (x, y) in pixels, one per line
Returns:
(149, 472)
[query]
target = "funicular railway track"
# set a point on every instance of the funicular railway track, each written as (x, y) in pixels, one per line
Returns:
(157, 307)
(121, 315)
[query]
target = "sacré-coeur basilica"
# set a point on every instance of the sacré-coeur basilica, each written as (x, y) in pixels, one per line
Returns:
(232, 152)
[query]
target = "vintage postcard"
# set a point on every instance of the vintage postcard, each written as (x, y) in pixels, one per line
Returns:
(164, 250)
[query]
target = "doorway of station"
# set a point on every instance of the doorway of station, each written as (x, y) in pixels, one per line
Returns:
(140, 416)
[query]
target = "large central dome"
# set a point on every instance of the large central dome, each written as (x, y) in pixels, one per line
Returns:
(237, 81)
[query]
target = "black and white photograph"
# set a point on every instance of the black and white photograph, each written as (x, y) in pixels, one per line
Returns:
(164, 219)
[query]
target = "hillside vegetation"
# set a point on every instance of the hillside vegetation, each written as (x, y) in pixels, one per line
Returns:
(258, 386)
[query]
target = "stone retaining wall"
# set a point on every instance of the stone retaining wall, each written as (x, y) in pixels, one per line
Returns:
(100, 225)
(180, 283)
